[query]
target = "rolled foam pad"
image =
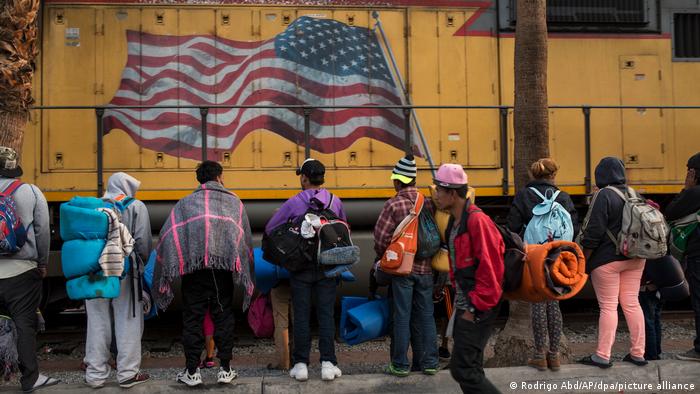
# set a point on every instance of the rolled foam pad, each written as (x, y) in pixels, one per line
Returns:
(367, 321)
(148, 270)
(92, 286)
(86, 202)
(347, 303)
(347, 276)
(82, 223)
(81, 257)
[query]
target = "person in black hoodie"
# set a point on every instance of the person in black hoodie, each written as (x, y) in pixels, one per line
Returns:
(614, 276)
(546, 316)
(686, 203)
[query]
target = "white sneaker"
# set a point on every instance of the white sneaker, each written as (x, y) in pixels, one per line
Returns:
(226, 377)
(329, 371)
(300, 372)
(190, 380)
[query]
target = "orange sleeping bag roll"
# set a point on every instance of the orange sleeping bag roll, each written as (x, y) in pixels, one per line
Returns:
(553, 271)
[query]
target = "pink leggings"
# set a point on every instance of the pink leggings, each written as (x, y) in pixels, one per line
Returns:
(208, 326)
(619, 280)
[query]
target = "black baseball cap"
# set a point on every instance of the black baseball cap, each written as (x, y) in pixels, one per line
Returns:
(311, 167)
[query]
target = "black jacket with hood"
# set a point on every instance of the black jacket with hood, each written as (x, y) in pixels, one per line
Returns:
(521, 211)
(605, 214)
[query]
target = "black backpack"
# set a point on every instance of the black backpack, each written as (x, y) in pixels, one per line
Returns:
(513, 259)
(286, 247)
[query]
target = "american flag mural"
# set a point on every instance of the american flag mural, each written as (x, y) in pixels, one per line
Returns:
(313, 62)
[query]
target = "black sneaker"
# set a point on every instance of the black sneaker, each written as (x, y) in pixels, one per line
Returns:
(140, 377)
(690, 355)
(628, 358)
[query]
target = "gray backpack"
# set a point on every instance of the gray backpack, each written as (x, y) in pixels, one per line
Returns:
(644, 232)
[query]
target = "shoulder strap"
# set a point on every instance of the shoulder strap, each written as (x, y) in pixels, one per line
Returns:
(617, 191)
(555, 195)
(537, 192)
(9, 190)
(418, 206)
(330, 203)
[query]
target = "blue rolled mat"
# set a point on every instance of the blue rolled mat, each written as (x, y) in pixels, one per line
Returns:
(148, 270)
(82, 223)
(347, 276)
(347, 303)
(265, 273)
(92, 286)
(81, 257)
(87, 202)
(367, 321)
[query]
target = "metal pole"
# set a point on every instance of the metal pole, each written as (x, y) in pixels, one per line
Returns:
(307, 133)
(203, 111)
(407, 130)
(505, 166)
(99, 112)
(406, 97)
(587, 146)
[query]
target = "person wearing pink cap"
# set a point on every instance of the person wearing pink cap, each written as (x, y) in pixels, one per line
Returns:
(476, 269)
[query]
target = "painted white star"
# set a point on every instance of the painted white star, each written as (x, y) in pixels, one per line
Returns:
(373, 45)
(330, 40)
(381, 65)
(361, 57)
(324, 61)
(374, 67)
(302, 41)
(365, 46)
(339, 39)
(320, 33)
(334, 58)
(292, 44)
(312, 50)
(354, 63)
(365, 69)
(345, 68)
(283, 49)
(304, 54)
(351, 48)
(342, 52)
(336, 31)
(387, 76)
(321, 45)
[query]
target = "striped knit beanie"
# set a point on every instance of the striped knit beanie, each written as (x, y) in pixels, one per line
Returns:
(405, 170)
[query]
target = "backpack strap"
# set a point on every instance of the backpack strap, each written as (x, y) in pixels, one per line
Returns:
(9, 190)
(619, 193)
(624, 198)
(537, 192)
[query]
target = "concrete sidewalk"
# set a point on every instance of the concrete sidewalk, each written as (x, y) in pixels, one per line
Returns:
(666, 376)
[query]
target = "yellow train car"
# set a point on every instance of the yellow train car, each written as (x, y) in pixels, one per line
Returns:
(627, 53)
(637, 54)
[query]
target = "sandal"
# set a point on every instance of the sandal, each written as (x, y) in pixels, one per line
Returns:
(41, 382)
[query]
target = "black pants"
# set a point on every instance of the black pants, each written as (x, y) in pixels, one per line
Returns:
(307, 285)
(20, 295)
(692, 275)
(467, 363)
(201, 291)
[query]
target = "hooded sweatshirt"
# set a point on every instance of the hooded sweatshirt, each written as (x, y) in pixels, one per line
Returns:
(33, 211)
(302, 202)
(605, 214)
(135, 217)
(685, 203)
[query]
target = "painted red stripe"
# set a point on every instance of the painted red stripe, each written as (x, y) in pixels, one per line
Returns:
(318, 89)
(325, 145)
(170, 40)
(623, 36)
(156, 62)
(321, 117)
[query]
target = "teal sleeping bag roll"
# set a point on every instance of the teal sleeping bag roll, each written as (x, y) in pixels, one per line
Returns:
(92, 286)
(82, 222)
(81, 257)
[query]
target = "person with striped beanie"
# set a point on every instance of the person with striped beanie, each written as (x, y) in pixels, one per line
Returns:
(412, 295)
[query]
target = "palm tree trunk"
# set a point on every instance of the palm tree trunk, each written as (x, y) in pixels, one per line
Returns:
(18, 50)
(515, 344)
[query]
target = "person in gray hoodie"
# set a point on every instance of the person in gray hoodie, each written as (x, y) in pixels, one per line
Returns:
(124, 313)
(21, 273)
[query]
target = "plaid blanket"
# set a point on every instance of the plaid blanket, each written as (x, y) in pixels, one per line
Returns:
(208, 229)
(119, 245)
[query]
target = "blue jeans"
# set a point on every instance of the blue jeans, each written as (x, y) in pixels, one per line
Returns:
(413, 306)
(307, 285)
(651, 306)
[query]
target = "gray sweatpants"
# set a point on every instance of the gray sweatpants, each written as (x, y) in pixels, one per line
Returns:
(127, 330)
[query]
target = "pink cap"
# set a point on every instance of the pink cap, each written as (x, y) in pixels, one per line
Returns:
(450, 176)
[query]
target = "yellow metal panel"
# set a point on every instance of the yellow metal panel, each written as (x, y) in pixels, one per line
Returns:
(162, 21)
(641, 128)
(423, 49)
(359, 153)
(482, 89)
(70, 80)
(686, 79)
(566, 144)
(197, 22)
(452, 69)
(393, 22)
(236, 24)
(120, 151)
(275, 151)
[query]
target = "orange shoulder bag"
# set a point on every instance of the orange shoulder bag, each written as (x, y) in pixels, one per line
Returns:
(398, 257)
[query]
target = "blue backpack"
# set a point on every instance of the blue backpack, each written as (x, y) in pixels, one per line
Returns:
(13, 235)
(550, 221)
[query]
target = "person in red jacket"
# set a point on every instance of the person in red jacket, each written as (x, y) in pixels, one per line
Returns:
(476, 270)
